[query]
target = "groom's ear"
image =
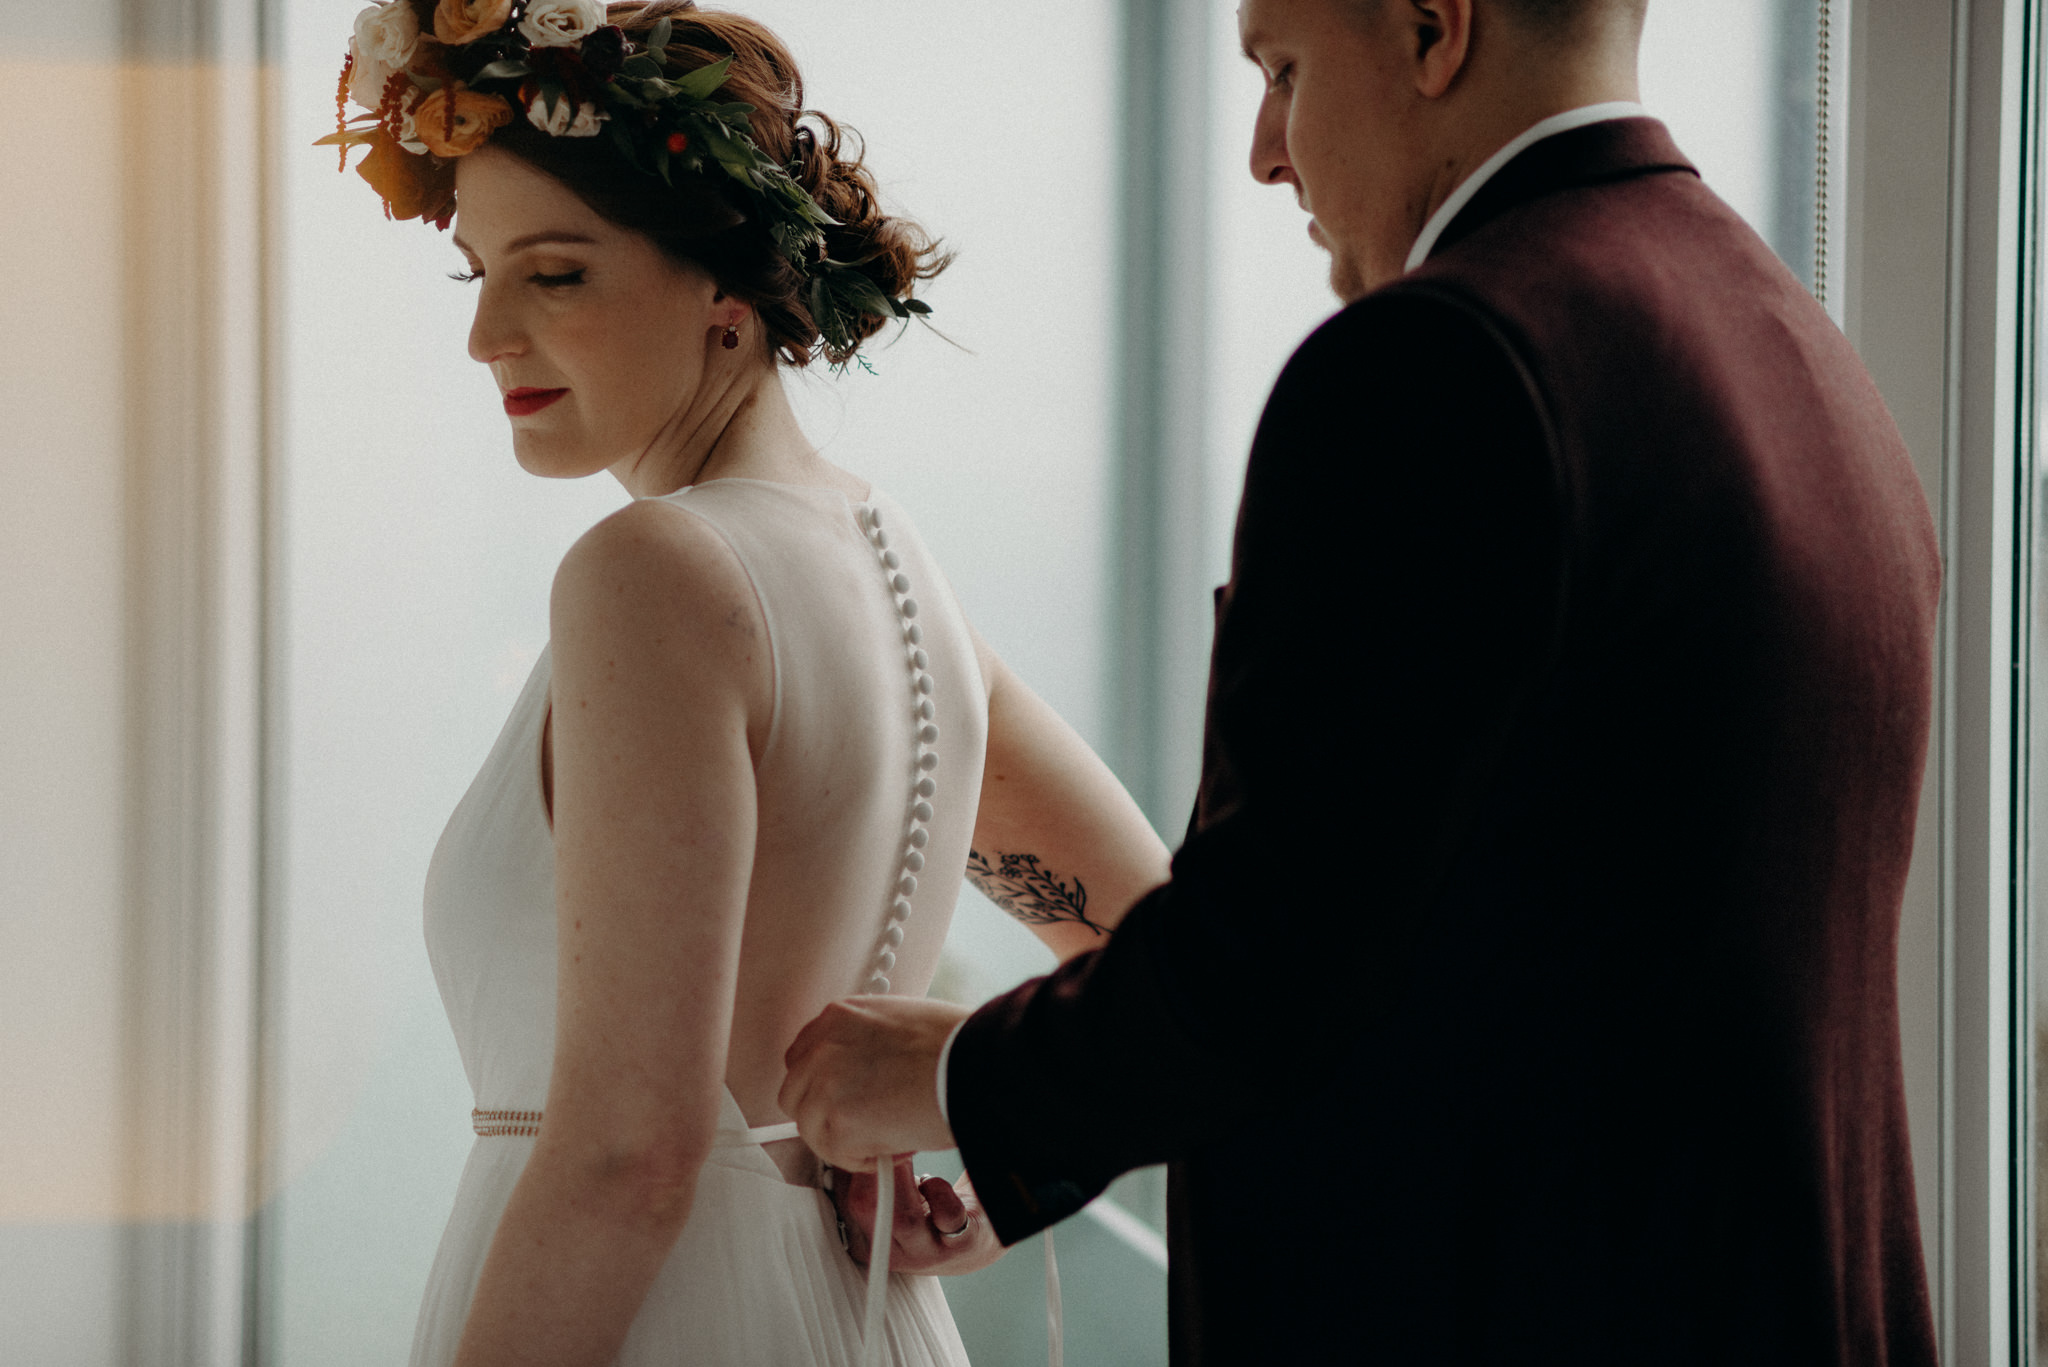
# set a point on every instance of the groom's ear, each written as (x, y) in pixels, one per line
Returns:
(1442, 33)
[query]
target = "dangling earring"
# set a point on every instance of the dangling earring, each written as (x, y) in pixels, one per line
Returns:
(731, 340)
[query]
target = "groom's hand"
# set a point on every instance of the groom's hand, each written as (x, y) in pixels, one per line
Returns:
(938, 1230)
(863, 1079)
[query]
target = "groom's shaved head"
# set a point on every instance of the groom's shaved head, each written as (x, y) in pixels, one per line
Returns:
(1561, 16)
(1375, 110)
(1543, 18)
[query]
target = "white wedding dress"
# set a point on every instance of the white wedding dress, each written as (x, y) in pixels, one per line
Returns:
(866, 812)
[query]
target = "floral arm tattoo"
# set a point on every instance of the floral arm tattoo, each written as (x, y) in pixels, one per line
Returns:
(1032, 894)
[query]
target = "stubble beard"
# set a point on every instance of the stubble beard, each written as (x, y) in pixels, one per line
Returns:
(1349, 279)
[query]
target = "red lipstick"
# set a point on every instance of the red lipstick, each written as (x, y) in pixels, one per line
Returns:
(523, 402)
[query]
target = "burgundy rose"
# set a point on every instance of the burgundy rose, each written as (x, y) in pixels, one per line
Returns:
(604, 52)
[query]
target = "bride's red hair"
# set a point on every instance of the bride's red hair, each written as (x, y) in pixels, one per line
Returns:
(692, 221)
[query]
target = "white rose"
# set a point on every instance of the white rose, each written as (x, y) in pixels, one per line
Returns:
(366, 79)
(408, 131)
(567, 119)
(388, 35)
(561, 23)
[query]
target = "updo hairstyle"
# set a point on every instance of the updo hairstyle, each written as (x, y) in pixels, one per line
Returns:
(694, 223)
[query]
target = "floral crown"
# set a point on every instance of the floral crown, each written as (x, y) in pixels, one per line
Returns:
(437, 79)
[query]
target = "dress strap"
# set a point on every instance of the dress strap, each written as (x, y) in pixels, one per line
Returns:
(1055, 1319)
(871, 1330)
(759, 1134)
(872, 1323)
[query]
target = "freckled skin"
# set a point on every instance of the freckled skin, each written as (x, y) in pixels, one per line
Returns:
(611, 339)
(634, 339)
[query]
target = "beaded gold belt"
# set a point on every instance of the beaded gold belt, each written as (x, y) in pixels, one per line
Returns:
(491, 1124)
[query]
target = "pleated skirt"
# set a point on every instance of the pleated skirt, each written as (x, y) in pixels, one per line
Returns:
(757, 1278)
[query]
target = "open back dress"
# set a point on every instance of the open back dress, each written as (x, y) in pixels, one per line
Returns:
(867, 787)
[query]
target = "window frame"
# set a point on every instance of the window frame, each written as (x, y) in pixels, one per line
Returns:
(1939, 267)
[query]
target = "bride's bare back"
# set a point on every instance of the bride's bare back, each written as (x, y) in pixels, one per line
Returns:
(868, 780)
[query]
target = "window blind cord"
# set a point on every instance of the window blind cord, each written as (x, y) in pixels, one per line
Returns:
(1820, 161)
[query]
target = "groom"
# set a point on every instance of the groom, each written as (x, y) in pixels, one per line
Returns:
(1524, 991)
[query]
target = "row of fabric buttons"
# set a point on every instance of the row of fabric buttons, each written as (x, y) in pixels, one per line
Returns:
(918, 836)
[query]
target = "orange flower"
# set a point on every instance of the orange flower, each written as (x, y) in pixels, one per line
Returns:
(476, 118)
(464, 21)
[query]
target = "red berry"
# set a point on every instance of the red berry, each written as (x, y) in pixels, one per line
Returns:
(677, 142)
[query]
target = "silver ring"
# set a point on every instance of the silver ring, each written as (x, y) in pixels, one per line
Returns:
(959, 1233)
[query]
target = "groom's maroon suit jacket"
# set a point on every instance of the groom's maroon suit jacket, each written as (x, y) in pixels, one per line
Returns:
(1524, 991)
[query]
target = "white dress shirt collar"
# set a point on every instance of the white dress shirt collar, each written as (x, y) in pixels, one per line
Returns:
(1470, 186)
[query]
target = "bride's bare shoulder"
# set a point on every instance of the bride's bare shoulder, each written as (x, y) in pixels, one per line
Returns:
(651, 551)
(656, 583)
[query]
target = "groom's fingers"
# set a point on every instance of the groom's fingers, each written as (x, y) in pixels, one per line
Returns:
(909, 1201)
(860, 1078)
(853, 1195)
(824, 1075)
(807, 1039)
(949, 1212)
(910, 1226)
(806, 1095)
(796, 1083)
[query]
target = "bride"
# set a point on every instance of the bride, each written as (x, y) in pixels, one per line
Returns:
(747, 775)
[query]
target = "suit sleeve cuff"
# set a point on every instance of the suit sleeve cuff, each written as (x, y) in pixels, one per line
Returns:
(946, 1057)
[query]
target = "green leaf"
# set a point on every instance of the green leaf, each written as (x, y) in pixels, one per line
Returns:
(863, 293)
(917, 306)
(699, 84)
(504, 69)
(641, 65)
(657, 40)
(730, 152)
(623, 140)
(552, 93)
